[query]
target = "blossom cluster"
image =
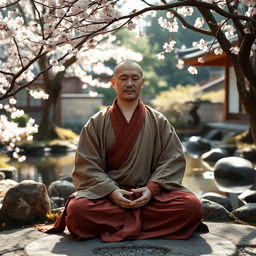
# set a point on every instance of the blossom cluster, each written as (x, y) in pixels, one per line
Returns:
(38, 94)
(61, 22)
(171, 25)
(62, 29)
(11, 134)
(169, 47)
(202, 45)
(53, 26)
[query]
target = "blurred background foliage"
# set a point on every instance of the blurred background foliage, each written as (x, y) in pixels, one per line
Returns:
(160, 75)
(176, 102)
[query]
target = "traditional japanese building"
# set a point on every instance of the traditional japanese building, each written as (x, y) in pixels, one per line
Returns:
(233, 111)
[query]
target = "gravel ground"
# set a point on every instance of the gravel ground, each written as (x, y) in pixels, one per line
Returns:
(139, 251)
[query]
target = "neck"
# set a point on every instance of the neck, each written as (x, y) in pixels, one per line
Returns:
(127, 107)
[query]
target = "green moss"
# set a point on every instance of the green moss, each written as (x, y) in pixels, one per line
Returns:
(65, 134)
(4, 161)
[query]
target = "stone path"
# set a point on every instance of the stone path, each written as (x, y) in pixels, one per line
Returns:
(224, 239)
(205, 244)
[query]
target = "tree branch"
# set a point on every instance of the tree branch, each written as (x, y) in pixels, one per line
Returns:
(188, 25)
(193, 3)
(220, 36)
(23, 14)
(15, 76)
(8, 5)
(18, 50)
(39, 17)
(146, 3)
(237, 24)
(7, 73)
(10, 94)
(204, 8)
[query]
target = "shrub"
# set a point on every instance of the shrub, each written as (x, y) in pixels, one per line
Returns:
(178, 101)
(213, 96)
(175, 103)
(4, 159)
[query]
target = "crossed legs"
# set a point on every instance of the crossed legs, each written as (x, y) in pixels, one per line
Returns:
(176, 218)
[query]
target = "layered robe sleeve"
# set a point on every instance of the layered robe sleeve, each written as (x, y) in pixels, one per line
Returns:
(169, 167)
(89, 175)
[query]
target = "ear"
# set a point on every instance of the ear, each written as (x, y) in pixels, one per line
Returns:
(113, 81)
(143, 81)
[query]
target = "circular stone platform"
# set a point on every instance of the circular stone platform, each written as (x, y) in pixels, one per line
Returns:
(198, 244)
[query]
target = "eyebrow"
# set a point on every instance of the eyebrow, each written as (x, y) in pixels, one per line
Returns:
(133, 75)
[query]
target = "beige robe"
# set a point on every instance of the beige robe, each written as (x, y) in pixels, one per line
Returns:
(156, 156)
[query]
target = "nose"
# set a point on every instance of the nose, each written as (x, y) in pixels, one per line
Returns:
(129, 82)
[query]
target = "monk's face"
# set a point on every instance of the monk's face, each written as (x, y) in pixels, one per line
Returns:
(128, 81)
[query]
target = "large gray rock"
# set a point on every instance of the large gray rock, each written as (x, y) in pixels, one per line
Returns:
(246, 213)
(57, 202)
(218, 198)
(247, 153)
(36, 150)
(248, 196)
(25, 203)
(211, 157)
(233, 174)
(196, 146)
(213, 211)
(61, 188)
(62, 147)
(230, 148)
(214, 155)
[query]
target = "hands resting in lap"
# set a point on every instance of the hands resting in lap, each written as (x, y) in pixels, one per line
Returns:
(123, 198)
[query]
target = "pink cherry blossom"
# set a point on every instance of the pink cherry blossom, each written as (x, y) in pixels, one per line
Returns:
(192, 70)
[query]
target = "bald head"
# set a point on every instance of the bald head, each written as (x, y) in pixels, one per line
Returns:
(128, 81)
(128, 63)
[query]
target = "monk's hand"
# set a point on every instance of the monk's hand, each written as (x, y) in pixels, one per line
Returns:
(145, 197)
(118, 197)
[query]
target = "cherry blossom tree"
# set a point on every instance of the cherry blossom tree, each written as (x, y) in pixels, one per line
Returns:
(37, 50)
(39, 37)
(224, 20)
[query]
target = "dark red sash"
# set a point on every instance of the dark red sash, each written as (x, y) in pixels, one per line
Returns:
(126, 134)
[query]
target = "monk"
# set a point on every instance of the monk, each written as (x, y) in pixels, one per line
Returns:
(128, 172)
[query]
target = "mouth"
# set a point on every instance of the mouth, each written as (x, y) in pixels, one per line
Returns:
(129, 91)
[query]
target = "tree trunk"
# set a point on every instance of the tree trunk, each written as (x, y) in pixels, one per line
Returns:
(47, 123)
(247, 95)
(49, 115)
(249, 103)
(53, 86)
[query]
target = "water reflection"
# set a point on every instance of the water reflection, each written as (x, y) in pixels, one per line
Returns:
(196, 177)
(45, 169)
(50, 168)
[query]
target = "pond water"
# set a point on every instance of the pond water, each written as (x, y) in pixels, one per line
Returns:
(47, 169)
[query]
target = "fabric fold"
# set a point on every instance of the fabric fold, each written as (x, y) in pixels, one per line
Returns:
(126, 134)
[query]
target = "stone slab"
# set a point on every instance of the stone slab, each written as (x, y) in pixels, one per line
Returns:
(240, 235)
(198, 244)
(14, 241)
